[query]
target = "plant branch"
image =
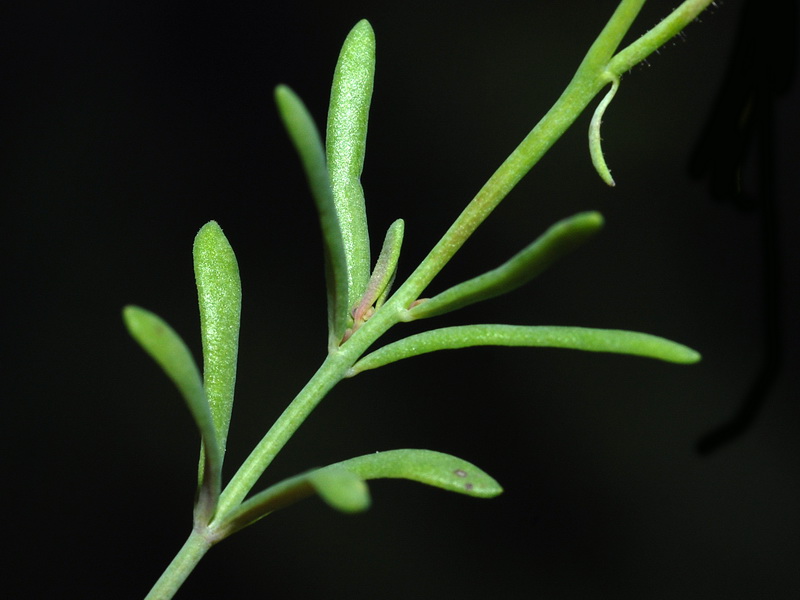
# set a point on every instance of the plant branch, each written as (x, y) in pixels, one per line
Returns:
(179, 569)
(654, 39)
(596, 70)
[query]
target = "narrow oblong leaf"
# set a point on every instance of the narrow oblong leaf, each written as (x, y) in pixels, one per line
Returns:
(425, 466)
(383, 274)
(595, 142)
(575, 338)
(219, 295)
(166, 347)
(342, 485)
(306, 139)
(560, 239)
(348, 115)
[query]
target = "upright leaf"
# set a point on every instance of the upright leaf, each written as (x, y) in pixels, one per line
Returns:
(348, 115)
(309, 147)
(219, 294)
(380, 281)
(161, 342)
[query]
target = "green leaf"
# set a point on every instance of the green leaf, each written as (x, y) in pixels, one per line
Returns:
(348, 115)
(307, 141)
(595, 145)
(382, 276)
(560, 239)
(576, 338)
(341, 489)
(219, 294)
(161, 342)
(425, 466)
(342, 485)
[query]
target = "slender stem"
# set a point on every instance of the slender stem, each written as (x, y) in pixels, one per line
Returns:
(608, 41)
(558, 119)
(659, 35)
(181, 566)
(330, 373)
(598, 68)
(593, 74)
(335, 368)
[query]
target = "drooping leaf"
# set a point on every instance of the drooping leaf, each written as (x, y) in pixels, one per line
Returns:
(342, 485)
(169, 351)
(219, 294)
(575, 338)
(560, 239)
(348, 115)
(595, 141)
(309, 146)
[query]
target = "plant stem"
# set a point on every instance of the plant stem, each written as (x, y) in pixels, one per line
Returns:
(558, 119)
(593, 74)
(328, 375)
(181, 566)
(599, 67)
(659, 35)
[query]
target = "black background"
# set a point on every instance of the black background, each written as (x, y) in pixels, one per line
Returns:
(129, 125)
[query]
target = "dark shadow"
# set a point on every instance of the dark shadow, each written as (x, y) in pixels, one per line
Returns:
(741, 130)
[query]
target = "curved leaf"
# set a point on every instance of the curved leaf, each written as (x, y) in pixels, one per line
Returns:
(219, 294)
(595, 145)
(425, 466)
(307, 141)
(342, 485)
(348, 116)
(161, 342)
(560, 239)
(341, 489)
(576, 338)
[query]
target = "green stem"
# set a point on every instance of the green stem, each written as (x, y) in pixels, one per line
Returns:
(659, 35)
(593, 74)
(335, 368)
(327, 376)
(599, 68)
(558, 119)
(181, 566)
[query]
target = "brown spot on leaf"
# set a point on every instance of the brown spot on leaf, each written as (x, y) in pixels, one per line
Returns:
(460, 473)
